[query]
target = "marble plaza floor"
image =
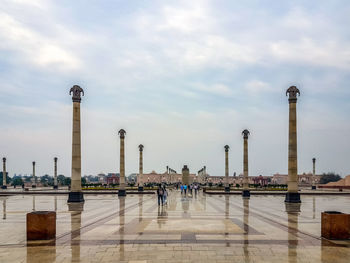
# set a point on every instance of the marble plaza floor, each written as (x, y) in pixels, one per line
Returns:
(202, 228)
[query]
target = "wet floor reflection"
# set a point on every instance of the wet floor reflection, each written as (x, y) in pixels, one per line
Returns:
(76, 209)
(246, 228)
(33, 203)
(4, 209)
(121, 227)
(140, 207)
(55, 203)
(292, 210)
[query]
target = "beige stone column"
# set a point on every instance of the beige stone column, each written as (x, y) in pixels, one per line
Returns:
(75, 194)
(121, 191)
(140, 179)
(227, 186)
(4, 186)
(245, 192)
(292, 195)
(55, 185)
(34, 177)
(313, 187)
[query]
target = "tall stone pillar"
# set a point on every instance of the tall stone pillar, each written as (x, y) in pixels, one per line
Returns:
(34, 177)
(245, 192)
(55, 185)
(122, 191)
(185, 175)
(140, 180)
(227, 185)
(292, 195)
(4, 186)
(75, 194)
(313, 187)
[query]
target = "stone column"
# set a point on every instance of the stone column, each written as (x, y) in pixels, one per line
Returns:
(313, 187)
(292, 195)
(34, 177)
(245, 192)
(75, 194)
(140, 188)
(4, 186)
(122, 191)
(55, 185)
(227, 185)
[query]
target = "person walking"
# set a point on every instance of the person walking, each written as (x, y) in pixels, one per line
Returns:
(185, 188)
(160, 193)
(182, 189)
(165, 196)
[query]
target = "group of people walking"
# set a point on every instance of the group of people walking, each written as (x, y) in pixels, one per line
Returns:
(162, 192)
(189, 188)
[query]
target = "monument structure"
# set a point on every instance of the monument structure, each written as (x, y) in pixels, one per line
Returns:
(34, 177)
(227, 185)
(75, 194)
(292, 195)
(313, 187)
(4, 186)
(121, 191)
(185, 175)
(55, 185)
(140, 179)
(245, 192)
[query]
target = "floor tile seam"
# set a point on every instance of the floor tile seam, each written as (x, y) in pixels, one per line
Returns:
(101, 220)
(266, 219)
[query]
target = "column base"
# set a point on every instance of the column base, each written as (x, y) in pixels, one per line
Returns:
(33, 186)
(140, 189)
(292, 197)
(227, 189)
(4, 187)
(245, 193)
(121, 192)
(75, 197)
(55, 187)
(313, 187)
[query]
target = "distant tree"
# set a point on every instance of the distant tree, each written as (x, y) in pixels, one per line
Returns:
(83, 180)
(8, 179)
(16, 180)
(329, 177)
(67, 181)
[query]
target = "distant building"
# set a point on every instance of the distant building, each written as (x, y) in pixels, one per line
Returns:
(112, 178)
(305, 179)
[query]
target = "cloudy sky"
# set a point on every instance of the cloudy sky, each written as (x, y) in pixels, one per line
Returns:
(183, 78)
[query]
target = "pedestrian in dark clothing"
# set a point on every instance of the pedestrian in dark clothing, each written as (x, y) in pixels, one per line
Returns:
(160, 193)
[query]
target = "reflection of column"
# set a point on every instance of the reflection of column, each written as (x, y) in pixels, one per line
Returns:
(227, 207)
(313, 207)
(140, 181)
(121, 191)
(227, 186)
(246, 228)
(121, 227)
(292, 210)
(55, 203)
(55, 186)
(313, 187)
(75, 221)
(4, 186)
(34, 177)
(140, 207)
(245, 192)
(292, 195)
(75, 194)
(4, 208)
(33, 202)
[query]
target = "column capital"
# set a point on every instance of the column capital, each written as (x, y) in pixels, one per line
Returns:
(313, 160)
(77, 91)
(55, 159)
(33, 163)
(122, 133)
(245, 133)
(4, 159)
(141, 147)
(226, 148)
(293, 93)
